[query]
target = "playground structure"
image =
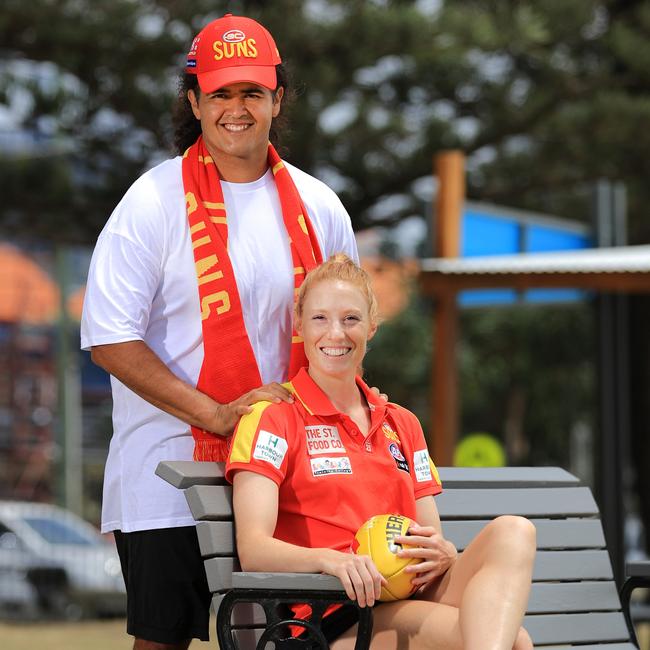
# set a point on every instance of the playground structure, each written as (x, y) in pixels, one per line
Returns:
(611, 272)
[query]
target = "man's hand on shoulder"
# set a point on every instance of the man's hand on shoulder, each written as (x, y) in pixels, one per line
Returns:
(376, 391)
(226, 416)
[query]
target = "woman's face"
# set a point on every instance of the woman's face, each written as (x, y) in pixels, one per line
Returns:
(335, 326)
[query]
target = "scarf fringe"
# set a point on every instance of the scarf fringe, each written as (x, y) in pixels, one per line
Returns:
(214, 449)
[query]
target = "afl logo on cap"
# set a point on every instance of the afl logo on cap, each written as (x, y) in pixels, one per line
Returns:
(234, 36)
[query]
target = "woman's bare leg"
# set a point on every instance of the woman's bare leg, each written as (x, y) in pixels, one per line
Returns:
(410, 625)
(478, 604)
(490, 584)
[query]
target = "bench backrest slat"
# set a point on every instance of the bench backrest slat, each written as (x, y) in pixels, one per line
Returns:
(576, 628)
(219, 571)
(185, 473)
(207, 502)
(572, 565)
(216, 538)
(550, 597)
(509, 477)
(551, 533)
(528, 502)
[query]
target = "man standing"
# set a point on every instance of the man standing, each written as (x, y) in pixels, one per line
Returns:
(188, 306)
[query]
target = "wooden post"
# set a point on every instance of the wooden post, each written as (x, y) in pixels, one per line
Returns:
(449, 166)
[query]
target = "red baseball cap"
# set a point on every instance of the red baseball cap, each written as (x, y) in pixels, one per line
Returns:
(233, 49)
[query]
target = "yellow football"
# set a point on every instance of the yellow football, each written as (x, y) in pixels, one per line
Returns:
(375, 539)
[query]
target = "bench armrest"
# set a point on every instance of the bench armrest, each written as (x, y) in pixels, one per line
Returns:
(637, 575)
(286, 581)
(638, 569)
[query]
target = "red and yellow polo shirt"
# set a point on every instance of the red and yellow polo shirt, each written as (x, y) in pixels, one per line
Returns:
(330, 478)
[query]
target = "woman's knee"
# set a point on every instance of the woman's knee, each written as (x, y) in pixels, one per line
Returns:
(523, 641)
(513, 527)
(515, 534)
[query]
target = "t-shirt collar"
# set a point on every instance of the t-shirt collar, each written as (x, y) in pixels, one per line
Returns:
(316, 402)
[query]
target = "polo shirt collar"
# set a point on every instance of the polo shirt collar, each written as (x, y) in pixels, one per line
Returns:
(316, 402)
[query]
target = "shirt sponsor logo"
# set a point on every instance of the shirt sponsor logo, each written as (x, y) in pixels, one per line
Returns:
(390, 433)
(270, 448)
(337, 465)
(368, 446)
(397, 454)
(421, 465)
(323, 439)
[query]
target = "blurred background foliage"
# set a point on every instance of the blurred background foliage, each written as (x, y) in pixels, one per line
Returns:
(543, 97)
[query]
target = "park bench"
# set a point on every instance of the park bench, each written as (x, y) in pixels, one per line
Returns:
(574, 602)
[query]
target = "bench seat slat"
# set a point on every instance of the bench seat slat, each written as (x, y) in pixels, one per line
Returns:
(576, 628)
(528, 502)
(551, 533)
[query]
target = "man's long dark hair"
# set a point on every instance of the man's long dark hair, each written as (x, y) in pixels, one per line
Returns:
(187, 128)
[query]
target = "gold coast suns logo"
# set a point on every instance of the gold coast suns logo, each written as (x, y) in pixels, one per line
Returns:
(234, 43)
(390, 433)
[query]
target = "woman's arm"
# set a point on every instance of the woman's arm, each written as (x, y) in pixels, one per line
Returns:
(437, 553)
(255, 502)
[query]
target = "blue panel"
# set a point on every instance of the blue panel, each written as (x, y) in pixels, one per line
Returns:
(553, 295)
(484, 297)
(487, 235)
(544, 238)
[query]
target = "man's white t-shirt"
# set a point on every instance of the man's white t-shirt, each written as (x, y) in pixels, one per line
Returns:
(142, 286)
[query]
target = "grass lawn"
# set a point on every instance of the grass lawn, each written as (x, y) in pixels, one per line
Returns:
(95, 635)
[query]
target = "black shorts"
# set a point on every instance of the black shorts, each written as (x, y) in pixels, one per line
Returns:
(339, 621)
(168, 600)
(332, 626)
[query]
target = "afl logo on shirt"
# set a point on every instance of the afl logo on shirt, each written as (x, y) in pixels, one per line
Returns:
(396, 453)
(390, 433)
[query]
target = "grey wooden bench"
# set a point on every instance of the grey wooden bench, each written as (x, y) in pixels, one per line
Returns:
(574, 600)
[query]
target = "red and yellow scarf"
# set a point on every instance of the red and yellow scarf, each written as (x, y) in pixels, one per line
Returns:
(229, 367)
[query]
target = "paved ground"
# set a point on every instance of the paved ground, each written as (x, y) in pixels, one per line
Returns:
(110, 635)
(95, 635)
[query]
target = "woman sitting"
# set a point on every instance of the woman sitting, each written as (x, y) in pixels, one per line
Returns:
(307, 474)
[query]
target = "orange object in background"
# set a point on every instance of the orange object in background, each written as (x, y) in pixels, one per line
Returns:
(27, 293)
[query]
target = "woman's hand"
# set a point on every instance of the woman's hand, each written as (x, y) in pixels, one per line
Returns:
(437, 553)
(225, 417)
(358, 575)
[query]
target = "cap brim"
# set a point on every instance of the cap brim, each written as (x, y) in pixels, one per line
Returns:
(263, 75)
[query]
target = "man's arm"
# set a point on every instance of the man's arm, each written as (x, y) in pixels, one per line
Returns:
(136, 365)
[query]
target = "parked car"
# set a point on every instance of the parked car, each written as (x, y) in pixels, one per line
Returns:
(54, 538)
(30, 587)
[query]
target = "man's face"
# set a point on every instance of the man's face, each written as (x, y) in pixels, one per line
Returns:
(236, 121)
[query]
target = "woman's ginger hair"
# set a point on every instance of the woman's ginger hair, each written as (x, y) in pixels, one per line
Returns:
(339, 267)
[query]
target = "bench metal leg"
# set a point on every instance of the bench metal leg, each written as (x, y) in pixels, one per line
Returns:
(273, 602)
